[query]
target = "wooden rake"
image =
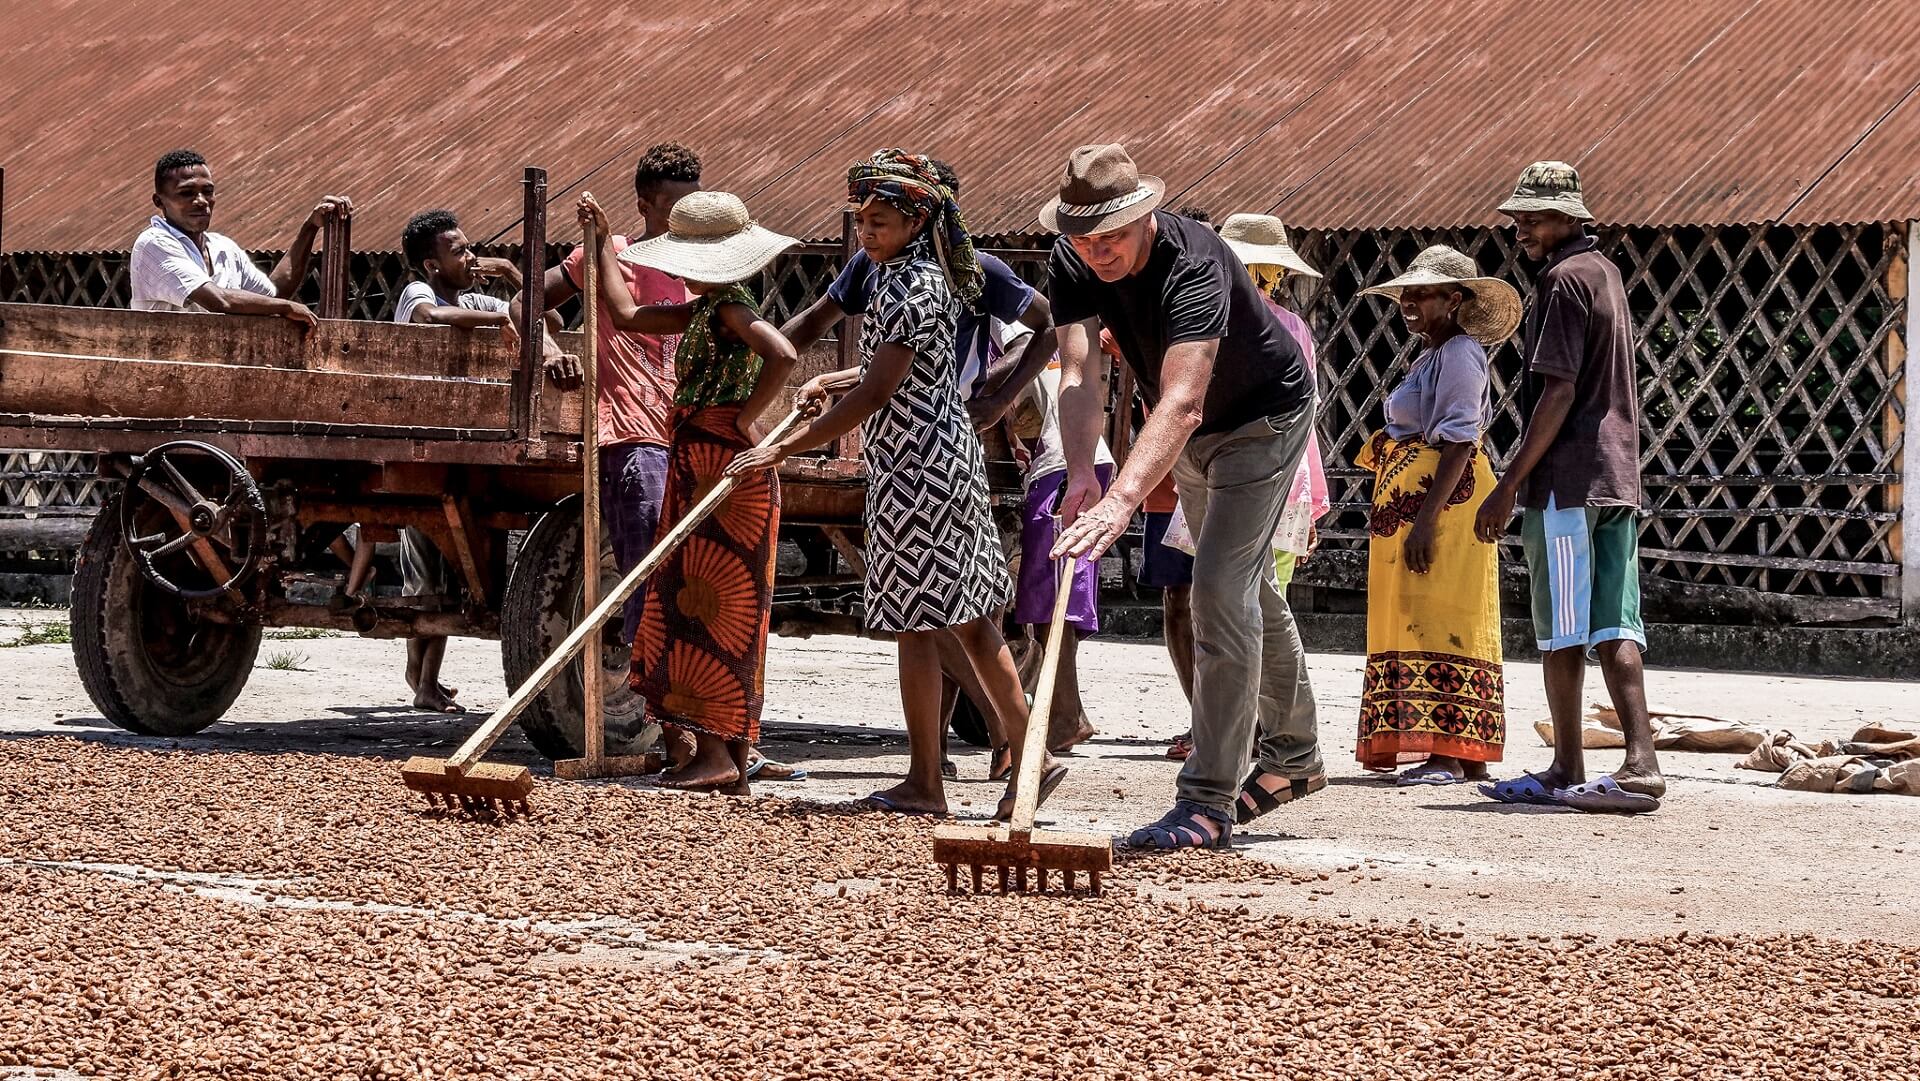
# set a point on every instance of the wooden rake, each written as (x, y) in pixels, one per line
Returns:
(462, 782)
(1014, 848)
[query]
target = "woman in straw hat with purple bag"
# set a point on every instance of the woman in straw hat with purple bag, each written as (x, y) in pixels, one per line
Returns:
(1232, 406)
(699, 656)
(1433, 689)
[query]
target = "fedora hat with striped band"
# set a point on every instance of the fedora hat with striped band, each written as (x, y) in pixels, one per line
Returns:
(1100, 192)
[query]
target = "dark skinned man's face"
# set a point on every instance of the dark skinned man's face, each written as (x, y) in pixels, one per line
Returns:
(185, 198)
(1541, 232)
(656, 203)
(453, 259)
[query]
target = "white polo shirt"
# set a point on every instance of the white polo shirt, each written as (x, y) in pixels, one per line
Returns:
(166, 268)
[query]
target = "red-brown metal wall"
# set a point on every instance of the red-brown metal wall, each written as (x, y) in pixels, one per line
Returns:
(1334, 113)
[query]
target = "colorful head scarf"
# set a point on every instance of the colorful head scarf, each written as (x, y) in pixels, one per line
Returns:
(909, 184)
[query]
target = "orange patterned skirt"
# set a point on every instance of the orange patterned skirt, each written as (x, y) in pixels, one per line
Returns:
(699, 657)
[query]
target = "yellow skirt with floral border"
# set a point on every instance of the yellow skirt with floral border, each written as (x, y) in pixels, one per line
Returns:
(1433, 682)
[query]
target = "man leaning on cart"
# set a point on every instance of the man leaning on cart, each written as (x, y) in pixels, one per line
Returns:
(180, 264)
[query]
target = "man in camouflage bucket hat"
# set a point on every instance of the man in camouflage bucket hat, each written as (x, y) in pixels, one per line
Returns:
(1576, 475)
(1548, 186)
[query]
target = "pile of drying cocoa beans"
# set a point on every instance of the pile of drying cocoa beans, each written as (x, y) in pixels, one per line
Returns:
(196, 914)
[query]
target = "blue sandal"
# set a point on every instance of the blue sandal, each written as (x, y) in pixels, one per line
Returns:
(1525, 788)
(1603, 795)
(1180, 828)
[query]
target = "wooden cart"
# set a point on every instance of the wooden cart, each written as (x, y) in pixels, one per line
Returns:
(248, 447)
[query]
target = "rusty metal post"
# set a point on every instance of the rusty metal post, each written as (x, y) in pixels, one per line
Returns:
(336, 263)
(533, 297)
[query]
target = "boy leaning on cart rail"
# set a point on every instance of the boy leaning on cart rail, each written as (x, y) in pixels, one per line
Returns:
(180, 264)
(446, 294)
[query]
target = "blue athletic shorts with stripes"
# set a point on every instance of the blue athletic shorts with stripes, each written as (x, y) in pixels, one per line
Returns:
(1584, 563)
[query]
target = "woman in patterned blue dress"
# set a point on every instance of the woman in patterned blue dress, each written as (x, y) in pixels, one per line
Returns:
(933, 555)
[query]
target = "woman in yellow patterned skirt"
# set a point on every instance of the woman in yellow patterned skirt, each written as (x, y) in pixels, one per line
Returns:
(1432, 692)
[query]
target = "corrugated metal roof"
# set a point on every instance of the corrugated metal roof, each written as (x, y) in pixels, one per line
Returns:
(1334, 113)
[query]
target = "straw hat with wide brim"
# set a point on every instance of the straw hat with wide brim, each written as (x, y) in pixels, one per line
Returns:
(1100, 192)
(1261, 240)
(1489, 316)
(711, 239)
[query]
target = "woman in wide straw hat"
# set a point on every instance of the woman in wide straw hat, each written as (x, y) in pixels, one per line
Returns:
(1260, 240)
(934, 561)
(1433, 687)
(700, 652)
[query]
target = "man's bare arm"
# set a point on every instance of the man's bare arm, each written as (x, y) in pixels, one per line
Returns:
(812, 324)
(1543, 427)
(241, 302)
(453, 315)
(1019, 366)
(1184, 376)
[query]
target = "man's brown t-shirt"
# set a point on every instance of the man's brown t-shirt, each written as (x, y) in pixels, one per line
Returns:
(1578, 329)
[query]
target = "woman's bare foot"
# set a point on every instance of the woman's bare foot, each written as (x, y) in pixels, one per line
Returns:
(678, 745)
(440, 702)
(712, 767)
(905, 798)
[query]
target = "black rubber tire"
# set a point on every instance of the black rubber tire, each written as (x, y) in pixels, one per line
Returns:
(537, 613)
(968, 722)
(149, 667)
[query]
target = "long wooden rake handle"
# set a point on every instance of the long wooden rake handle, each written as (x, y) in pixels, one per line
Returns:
(589, 627)
(594, 726)
(1026, 799)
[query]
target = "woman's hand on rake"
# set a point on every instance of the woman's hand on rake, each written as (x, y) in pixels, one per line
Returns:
(757, 458)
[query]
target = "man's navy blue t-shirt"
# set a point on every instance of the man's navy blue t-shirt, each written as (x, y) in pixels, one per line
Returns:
(1005, 299)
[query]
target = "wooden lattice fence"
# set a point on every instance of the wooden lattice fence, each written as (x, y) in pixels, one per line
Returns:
(1770, 362)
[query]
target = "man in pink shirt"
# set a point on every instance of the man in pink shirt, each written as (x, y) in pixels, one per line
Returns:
(635, 377)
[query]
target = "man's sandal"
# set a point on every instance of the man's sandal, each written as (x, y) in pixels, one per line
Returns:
(1526, 788)
(1255, 801)
(1181, 828)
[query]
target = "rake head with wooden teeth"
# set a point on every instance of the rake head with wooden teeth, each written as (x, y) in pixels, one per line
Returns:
(1020, 859)
(479, 789)
(1014, 848)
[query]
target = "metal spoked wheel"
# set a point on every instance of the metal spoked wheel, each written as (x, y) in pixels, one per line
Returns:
(213, 514)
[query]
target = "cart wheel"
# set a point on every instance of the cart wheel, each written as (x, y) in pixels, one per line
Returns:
(147, 662)
(541, 606)
(224, 527)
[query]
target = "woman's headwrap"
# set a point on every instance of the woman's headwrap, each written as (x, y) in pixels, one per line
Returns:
(909, 184)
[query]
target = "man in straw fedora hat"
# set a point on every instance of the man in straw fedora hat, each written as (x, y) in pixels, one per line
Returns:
(1232, 406)
(1576, 475)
